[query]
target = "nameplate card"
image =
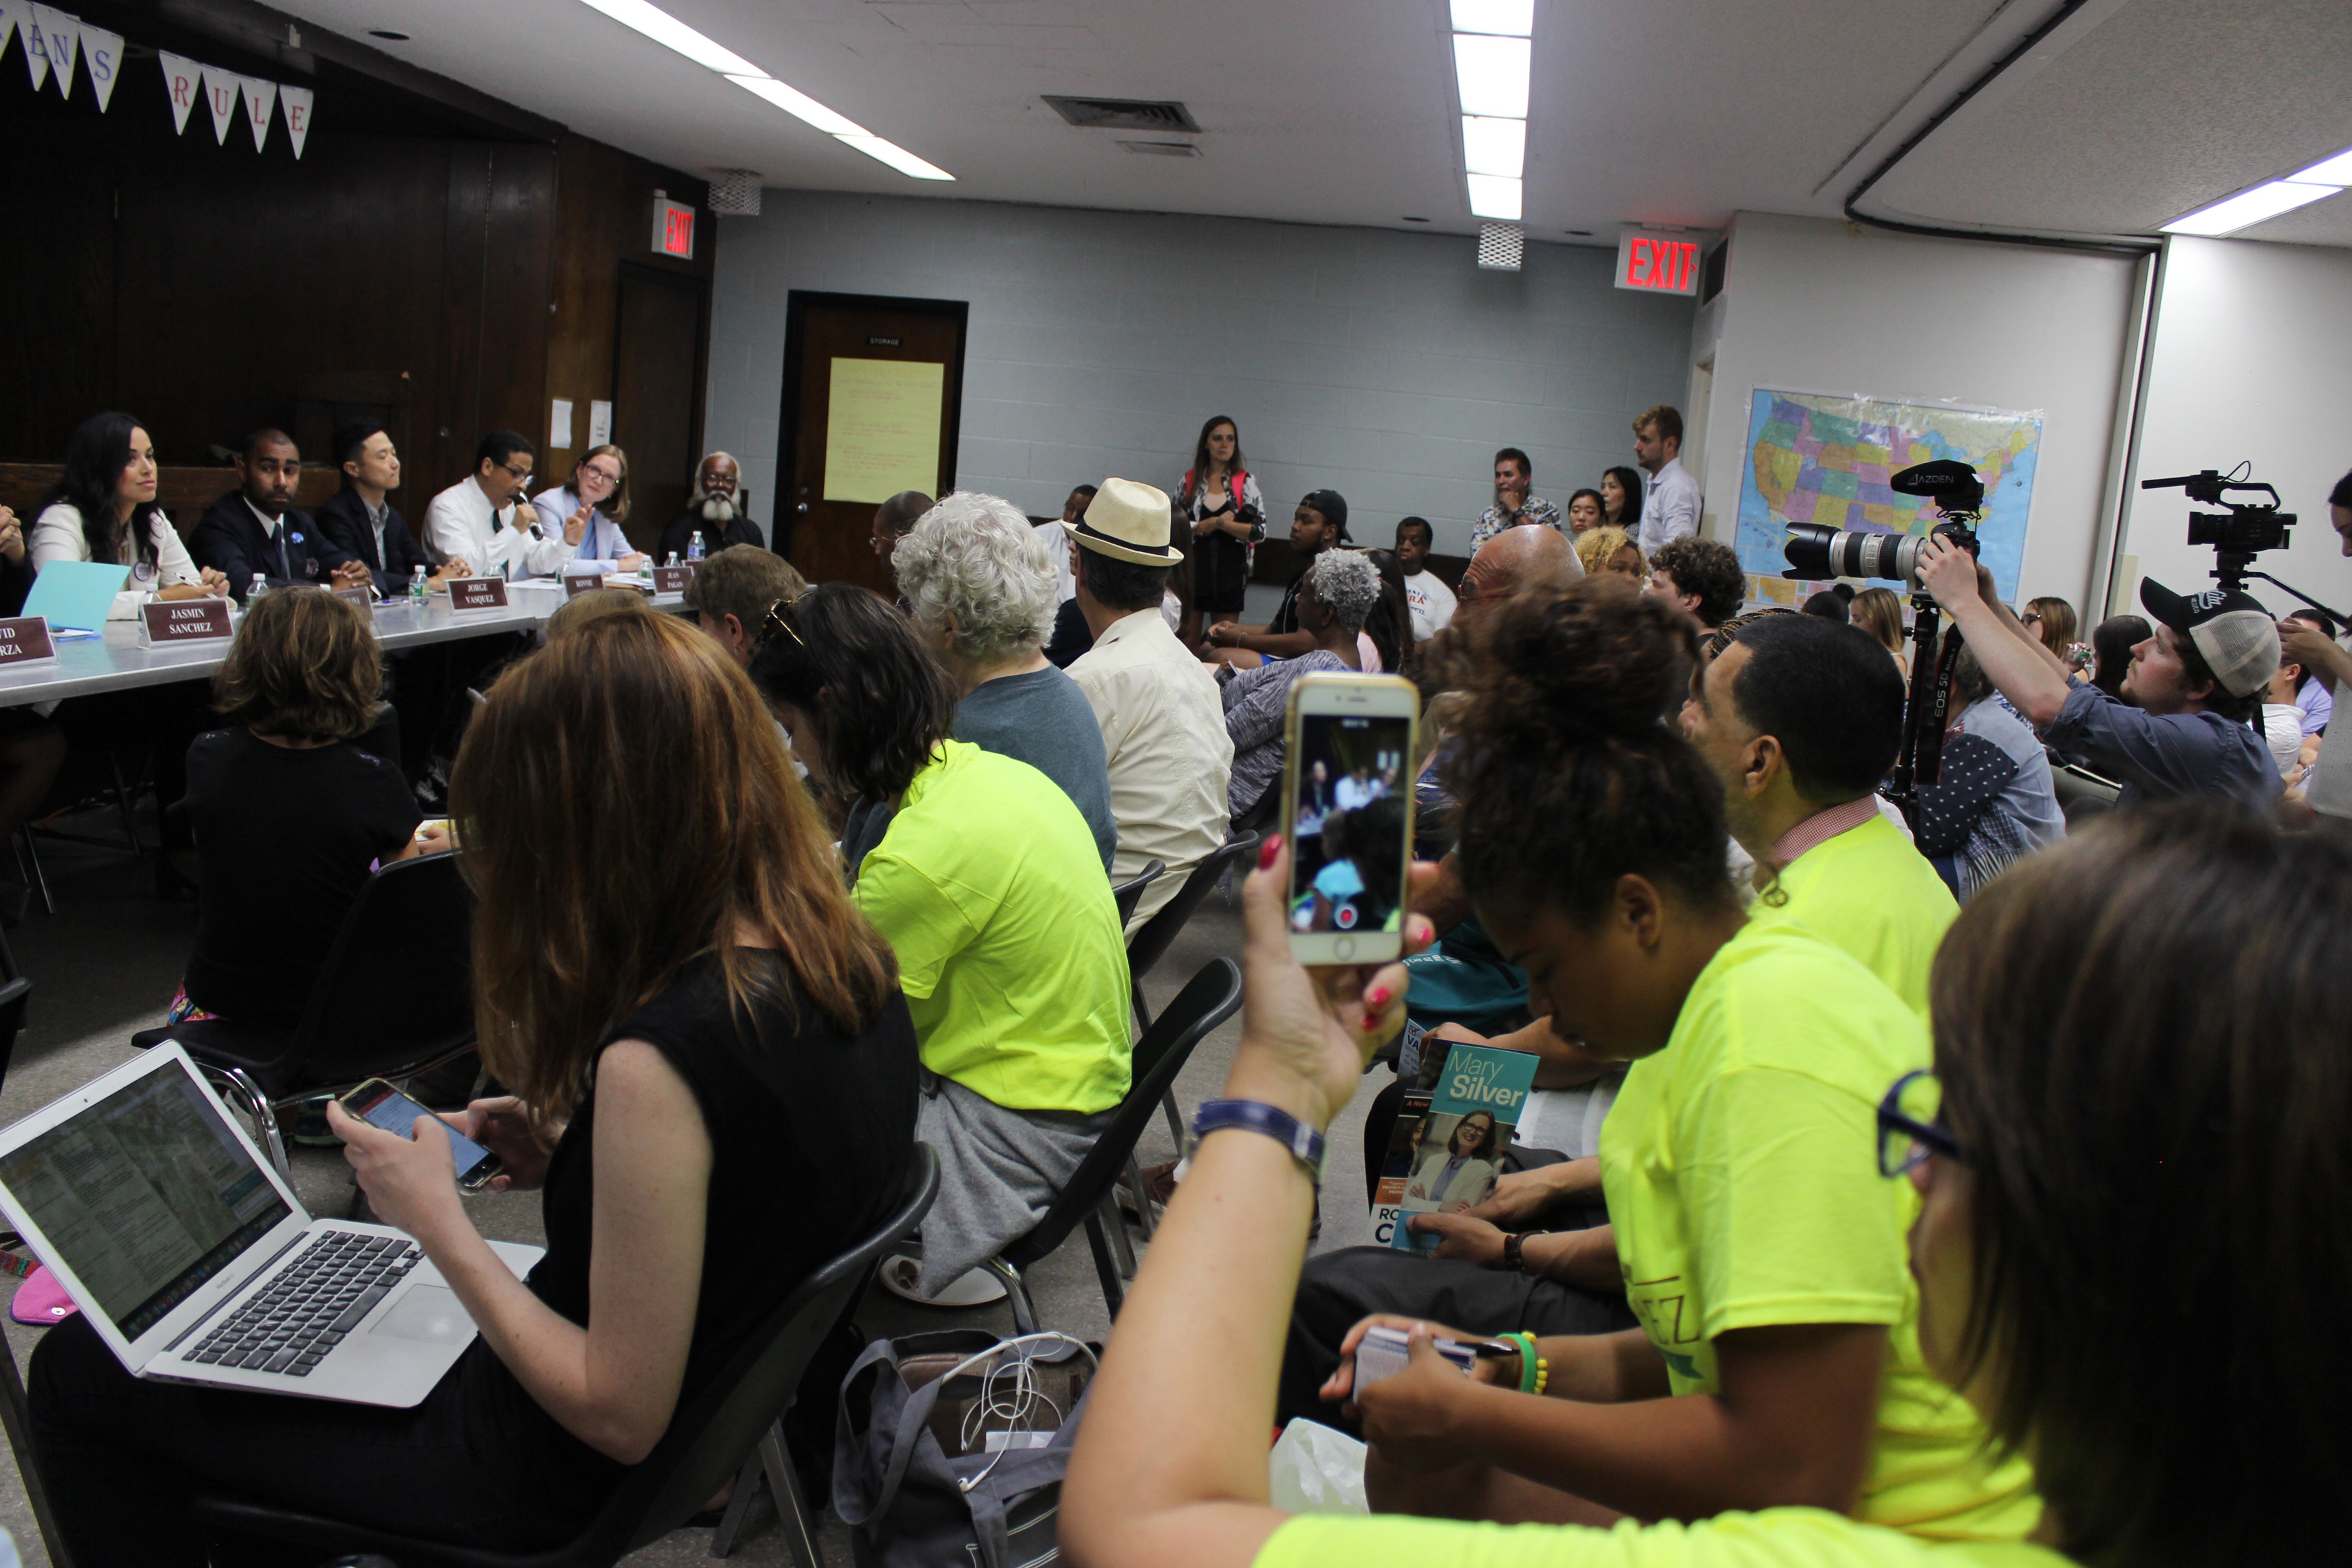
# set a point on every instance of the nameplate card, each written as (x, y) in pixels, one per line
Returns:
(673, 579)
(359, 596)
(165, 623)
(477, 594)
(25, 640)
(578, 582)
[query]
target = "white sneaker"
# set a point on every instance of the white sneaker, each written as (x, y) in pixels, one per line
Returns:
(903, 1277)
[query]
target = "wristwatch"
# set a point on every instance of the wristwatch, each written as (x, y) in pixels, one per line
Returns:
(1514, 1258)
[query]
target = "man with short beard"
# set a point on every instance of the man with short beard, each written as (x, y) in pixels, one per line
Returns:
(715, 510)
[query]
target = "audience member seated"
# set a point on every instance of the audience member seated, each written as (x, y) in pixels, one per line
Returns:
(1701, 577)
(2178, 725)
(1056, 541)
(732, 594)
(1620, 499)
(1587, 511)
(1880, 613)
(2314, 703)
(257, 530)
(360, 522)
(1995, 803)
(986, 883)
(1320, 523)
(1514, 505)
(660, 1010)
(1156, 705)
(1328, 604)
(1769, 1270)
(2112, 642)
(1387, 640)
(1426, 595)
(483, 520)
(579, 610)
(714, 512)
(290, 813)
(597, 498)
(2281, 721)
(103, 507)
(2053, 623)
(982, 589)
(1224, 517)
(1608, 549)
(892, 522)
(2091, 1026)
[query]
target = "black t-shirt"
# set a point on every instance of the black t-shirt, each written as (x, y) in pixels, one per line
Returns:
(676, 537)
(1286, 615)
(285, 839)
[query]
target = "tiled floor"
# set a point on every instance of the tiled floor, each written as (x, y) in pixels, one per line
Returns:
(105, 965)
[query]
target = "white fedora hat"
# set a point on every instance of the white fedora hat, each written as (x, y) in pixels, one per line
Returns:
(1128, 522)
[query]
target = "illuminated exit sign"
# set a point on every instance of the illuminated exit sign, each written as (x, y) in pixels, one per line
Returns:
(673, 227)
(1656, 263)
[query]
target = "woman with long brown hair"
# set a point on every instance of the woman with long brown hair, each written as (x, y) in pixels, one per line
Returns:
(1218, 499)
(714, 1082)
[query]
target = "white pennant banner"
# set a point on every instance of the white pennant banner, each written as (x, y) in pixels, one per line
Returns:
(36, 57)
(102, 57)
(220, 97)
(60, 40)
(297, 100)
(260, 100)
(183, 78)
(8, 9)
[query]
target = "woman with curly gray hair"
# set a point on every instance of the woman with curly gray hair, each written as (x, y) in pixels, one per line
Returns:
(982, 591)
(1336, 595)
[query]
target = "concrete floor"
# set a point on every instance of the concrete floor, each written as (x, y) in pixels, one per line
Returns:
(107, 963)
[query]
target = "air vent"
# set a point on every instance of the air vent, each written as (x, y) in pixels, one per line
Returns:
(1124, 113)
(1163, 149)
(1500, 246)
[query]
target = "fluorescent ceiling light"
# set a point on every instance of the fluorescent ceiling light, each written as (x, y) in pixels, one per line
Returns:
(1494, 146)
(897, 157)
(2337, 170)
(1491, 195)
(1514, 17)
(791, 100)
(1492, 74)
(2249, 207)
(669, 32)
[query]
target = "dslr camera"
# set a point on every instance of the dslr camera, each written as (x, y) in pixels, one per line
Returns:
(1814, 551)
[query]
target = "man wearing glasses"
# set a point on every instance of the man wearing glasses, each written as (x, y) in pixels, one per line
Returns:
(479, 518)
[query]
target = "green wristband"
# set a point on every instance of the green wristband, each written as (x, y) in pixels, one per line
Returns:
(1526, 1342)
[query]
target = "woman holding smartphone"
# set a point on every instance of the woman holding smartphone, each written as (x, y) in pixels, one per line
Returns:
(661, 1008)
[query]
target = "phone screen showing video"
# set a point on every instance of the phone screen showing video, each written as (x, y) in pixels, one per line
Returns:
(1348, 849)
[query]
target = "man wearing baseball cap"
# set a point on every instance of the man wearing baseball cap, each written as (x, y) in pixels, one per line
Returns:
(2181, 728)
(1320, 523)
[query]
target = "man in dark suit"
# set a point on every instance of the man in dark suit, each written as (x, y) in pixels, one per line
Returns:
(257, 530)
(715, 510)
(360, 522)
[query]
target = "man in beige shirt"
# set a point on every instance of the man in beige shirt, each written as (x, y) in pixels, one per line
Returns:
(1163, 729)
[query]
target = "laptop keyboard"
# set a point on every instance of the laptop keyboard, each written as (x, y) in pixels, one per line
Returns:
(315, 1301)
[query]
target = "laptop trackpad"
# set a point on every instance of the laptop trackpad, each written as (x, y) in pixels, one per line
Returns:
(429, 1313)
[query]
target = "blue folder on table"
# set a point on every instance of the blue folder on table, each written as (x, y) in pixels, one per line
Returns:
(76, 594)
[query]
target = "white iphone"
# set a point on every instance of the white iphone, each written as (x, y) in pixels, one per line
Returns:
(1346, 805)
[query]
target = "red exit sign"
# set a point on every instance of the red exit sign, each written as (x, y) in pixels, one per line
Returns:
(1656, 263)
(673, 227)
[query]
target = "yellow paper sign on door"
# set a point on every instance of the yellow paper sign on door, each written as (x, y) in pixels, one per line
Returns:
(882, 428)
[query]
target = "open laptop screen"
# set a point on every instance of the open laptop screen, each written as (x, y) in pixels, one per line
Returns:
(144, 1195)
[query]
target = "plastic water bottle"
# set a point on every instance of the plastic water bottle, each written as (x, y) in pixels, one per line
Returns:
(673, 559)
(694, 547)
(419, 585)
(255, 589)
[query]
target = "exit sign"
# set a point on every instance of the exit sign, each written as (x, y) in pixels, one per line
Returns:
(1656, 263)
(673, 227)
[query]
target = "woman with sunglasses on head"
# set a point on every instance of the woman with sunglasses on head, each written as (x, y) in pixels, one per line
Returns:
(597, 498)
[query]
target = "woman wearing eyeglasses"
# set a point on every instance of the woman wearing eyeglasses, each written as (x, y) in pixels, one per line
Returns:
(597, 499)
(1778, 1361)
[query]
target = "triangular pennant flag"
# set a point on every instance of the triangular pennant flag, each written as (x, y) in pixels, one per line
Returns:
(8, 9)
(37, 55)
(260, 99)
(183, 78)
(101, 56)
(60, 39)
(297, 100)
(220, 97)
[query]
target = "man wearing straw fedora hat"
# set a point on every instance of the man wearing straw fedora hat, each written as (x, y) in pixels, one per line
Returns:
(1163, 729)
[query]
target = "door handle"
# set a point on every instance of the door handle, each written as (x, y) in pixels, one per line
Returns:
(802, 509)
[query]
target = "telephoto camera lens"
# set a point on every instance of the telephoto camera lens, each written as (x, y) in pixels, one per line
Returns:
(1815, 552)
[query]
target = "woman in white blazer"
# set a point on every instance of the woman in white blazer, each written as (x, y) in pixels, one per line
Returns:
(104, 508)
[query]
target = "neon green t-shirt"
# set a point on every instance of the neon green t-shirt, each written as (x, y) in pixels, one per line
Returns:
(990, 887)
(1775, 1538)
(1740, 1167)
(1870, 892)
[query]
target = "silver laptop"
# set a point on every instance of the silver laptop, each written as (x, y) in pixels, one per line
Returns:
(196, 1264)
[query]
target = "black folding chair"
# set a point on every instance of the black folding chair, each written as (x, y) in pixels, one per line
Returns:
(17, 1413)
(1148, 946)
(731, 1428)
(1212, 996)
(1129, 893)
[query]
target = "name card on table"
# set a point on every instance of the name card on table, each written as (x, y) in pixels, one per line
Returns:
(359, 596)
(25, 640)
(673, 579)
(578, 582)
(165, 623)
(477, 594)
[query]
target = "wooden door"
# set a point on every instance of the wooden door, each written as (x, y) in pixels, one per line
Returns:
(656, 394)
(876, 362)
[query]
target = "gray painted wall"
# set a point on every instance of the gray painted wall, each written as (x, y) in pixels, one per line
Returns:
(1384, 365)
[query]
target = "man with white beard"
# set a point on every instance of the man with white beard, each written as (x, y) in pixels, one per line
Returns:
(715, 509)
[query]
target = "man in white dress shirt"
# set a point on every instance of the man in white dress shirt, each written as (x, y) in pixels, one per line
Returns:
(1163, 726)
(484, 518)
(1671, 509)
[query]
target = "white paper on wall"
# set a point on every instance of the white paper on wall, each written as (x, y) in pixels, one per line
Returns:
(220, 97)
(184, 79)
(60, 40)
(559, 425)
(260, 102)
(102, 57)
(297, 102)
(600, 423)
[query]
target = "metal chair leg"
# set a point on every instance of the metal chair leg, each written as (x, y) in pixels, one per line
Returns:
(30, 854)
(1024, 1315)
(1121, 1249)
(122, 804)
(1175, 1121)
(1106, 1267)
(257, 1109)
(793, 1513)
(739, 1505)
(1142, 1196)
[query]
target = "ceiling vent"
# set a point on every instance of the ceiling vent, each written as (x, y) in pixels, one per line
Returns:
(1124, 113)
(1163, 149)
(1501, 246)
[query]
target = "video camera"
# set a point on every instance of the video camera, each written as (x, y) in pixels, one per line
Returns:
(1816, 551)
(2238, 533)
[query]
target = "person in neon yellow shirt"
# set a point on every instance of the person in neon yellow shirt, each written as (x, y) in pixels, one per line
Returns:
(2098, 1034)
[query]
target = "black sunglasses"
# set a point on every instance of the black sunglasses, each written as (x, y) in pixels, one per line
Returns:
(1909, 1127)
(775, 618)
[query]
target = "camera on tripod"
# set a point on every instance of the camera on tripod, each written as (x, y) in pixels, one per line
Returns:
(1816, 551)
(2238, 533)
